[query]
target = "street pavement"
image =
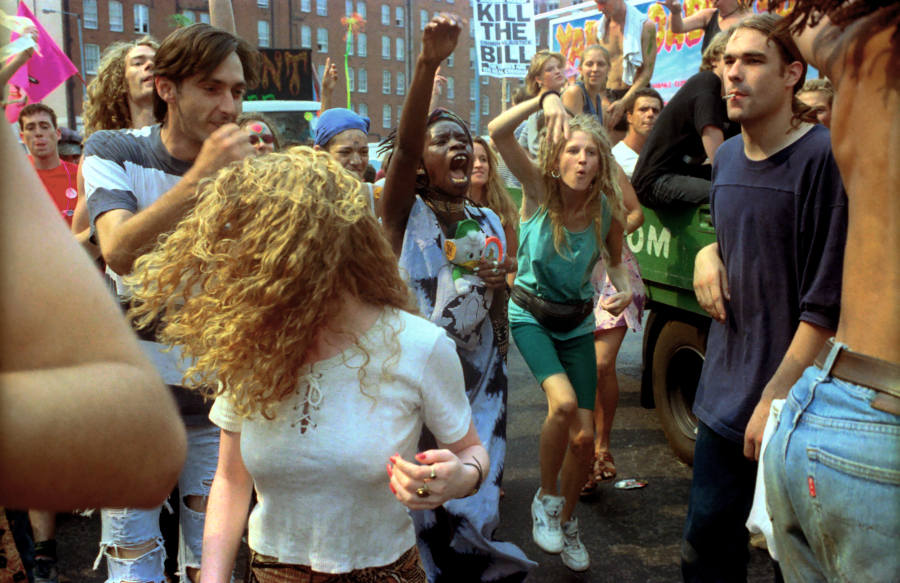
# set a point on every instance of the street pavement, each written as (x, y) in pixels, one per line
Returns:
(631, 535)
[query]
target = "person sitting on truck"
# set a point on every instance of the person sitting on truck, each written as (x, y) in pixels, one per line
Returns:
(630, 38)
(263, 135)
(610, 329)
(344, 134)
(586, 95)
(641, 115)
(546, 72)
(727, 13)
(571, 210)
(673, 167)
(818, 94)
(771, 282)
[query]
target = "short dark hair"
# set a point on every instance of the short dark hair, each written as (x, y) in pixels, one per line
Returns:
(199, 49)
(33, 109)
(643, 92)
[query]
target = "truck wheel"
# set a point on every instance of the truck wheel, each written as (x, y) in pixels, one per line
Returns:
(677, 361)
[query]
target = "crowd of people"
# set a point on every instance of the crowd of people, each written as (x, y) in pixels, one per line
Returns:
(297, 324)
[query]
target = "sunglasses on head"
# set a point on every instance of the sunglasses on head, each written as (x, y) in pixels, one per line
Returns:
(267, 138)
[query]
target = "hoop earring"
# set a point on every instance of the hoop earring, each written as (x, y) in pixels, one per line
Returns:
(554, 173)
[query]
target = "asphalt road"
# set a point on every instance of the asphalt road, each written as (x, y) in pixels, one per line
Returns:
(632, 535)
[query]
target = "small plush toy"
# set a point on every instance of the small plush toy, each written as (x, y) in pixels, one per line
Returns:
(466, 249)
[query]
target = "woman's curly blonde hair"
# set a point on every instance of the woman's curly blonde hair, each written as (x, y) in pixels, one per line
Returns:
(254, 272)
(106, 96)
(606, 183)
(496, 196)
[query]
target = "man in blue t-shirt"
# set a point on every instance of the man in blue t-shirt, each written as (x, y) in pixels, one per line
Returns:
(771, 282)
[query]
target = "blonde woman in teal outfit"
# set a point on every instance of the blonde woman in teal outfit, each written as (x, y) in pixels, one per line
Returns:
(572, 216)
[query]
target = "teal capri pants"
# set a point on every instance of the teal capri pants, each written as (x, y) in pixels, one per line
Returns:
(546, 356)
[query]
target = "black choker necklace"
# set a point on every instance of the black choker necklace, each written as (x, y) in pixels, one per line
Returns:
(446, 206)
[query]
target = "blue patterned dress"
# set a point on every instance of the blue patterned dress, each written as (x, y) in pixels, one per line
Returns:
(456, 540)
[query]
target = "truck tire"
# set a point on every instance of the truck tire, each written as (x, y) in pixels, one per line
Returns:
(677, 360)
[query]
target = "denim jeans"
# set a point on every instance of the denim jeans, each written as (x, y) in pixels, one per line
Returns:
(714, 548)
(833, 483)
(130, 527)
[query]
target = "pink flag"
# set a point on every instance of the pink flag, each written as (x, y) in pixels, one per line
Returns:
(47, 68)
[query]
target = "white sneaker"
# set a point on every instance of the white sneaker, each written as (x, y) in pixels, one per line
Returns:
(545, 529)
(574, 553)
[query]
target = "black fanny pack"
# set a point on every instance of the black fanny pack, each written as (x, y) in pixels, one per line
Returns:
(553, 316)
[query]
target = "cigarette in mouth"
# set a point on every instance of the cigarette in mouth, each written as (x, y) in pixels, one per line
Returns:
(729, 96)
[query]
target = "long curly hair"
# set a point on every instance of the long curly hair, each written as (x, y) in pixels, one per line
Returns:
(495, 195)
(248, 279)
(106, 96)
(606, 182)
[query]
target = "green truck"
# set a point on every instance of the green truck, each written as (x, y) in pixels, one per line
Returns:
(676, 326)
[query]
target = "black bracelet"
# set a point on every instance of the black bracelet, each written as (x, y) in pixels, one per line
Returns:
(545, 94)
(478, 468)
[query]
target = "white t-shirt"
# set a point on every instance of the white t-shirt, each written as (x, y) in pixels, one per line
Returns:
(319, 467)
(626, 157)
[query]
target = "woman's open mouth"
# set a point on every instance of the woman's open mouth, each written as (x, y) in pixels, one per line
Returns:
(459, 166)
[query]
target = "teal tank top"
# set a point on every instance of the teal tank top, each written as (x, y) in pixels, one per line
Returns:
(555, 277)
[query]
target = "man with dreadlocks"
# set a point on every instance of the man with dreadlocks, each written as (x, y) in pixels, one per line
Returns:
(422, 206)
(833, 461)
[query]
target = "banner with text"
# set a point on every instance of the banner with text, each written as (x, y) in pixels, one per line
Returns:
(504, 37)
(284, 74)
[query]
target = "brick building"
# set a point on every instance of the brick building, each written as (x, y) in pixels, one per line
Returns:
(381, 60)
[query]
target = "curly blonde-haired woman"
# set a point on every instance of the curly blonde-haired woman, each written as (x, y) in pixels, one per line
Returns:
(283, 290)
(572, 214)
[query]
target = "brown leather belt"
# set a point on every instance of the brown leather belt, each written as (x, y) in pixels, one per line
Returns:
(866, 371)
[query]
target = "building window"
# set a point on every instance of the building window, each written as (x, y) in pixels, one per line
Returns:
(401, 83)
(262, 33)
(361, 42)
(91, 58)
(471, 28)
(305, 37)
(189, 14)
(451, 88)
(473, 121)
(386, 82)
(471, 57)
(89, 8)
(423, 18)
(385, 14)
(351, 76)
(322, 7)
(204, 17)
(141, 19)
(401, 52)
(322, 40)
(262, 3)
(473, 89)
(362, 109)
(399, 112)
(362, 81)
(385, 47)
(386, 117)
(485, 105)
(115, 17)
(398, 16)
(361, 9)
(485, 80)
(348, 7)
(305, 5)
(450, 60)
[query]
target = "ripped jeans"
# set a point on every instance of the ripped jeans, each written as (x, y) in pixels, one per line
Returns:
(129, 528)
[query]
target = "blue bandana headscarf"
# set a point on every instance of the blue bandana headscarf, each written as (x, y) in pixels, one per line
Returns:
(337, 120)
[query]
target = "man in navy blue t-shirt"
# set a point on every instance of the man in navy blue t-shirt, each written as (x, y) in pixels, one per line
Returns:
(771, 282)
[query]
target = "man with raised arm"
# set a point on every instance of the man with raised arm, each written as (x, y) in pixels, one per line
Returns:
(771, 282)
(139, 184)
(833, 461)
(630, 38)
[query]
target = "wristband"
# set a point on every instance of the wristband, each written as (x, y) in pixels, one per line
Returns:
(544, 95)
(478, 468)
